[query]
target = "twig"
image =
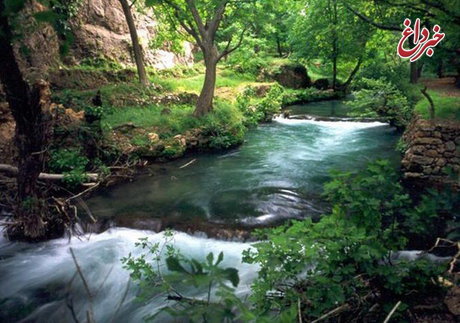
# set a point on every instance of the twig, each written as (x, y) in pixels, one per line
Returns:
(188, 164)
(392, 312)
(122, 300)
(84, 192)
(103, 282)
(334, 311)
(80, 273)
(299, 310)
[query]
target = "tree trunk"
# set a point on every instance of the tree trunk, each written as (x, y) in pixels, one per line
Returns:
(345, 86)
(335, 49)
(205, 101)
(431, 108)
(278, 46)
(334, 72)
(30, 109)
(138, 56)
(420, 69)
(440, 69)
(413, 73)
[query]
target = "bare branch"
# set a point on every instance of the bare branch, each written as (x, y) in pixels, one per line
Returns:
(13, 170)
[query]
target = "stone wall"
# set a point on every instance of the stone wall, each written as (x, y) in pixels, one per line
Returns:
(433, 152)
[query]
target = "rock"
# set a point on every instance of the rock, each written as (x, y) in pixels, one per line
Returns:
(100, 30)
(262, 90)
(321, 84)
(427, 170)
(166, 111)
(421, 160)
(431, 153)
(417, 150)
(181, 139)
(450, 146)
(441, 162)
(412, 175)
(452, 299)
(153, 137)
(125, 128)
(427, 141)
(293, 76)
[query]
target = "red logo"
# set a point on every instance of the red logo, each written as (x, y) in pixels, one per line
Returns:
(421, 41)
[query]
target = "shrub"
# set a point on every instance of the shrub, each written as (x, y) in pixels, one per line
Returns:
(346, 256)
(71, 163)
(380, 98)
(260, 110)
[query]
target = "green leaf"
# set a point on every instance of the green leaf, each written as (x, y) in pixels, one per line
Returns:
(210, 258)
(173, 264)
(232, 275)
(220, 258)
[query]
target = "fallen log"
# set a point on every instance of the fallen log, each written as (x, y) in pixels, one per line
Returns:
(13, 170)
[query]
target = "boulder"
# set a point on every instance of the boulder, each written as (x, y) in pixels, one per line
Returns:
(321, 84)
(293, 76)
(100, 30)
(450, 146)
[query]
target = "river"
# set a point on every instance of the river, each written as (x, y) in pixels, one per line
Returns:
(276, 175)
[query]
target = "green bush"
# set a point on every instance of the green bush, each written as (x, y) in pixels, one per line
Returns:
(71, 163)
(224, 126)
(257, 110)
(307, 268)
(381, 99)
(347, 254)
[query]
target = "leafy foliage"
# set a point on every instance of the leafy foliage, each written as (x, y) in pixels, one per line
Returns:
(71, 163)
(174, 276)
(379, 98)
(349, 253)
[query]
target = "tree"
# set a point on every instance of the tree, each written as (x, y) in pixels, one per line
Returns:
(323, 29)
(202, 20)
(138, 55)
(30, 109)
(388, 15)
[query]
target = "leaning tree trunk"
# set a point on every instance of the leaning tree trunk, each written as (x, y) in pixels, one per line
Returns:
(30, 109)
(138, 56)
(206, 98)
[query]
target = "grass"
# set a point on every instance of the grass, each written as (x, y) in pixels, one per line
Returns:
(178, 121)
(194, 83)
(446, 107)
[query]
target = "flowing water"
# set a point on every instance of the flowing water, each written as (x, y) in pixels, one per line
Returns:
(276, 175)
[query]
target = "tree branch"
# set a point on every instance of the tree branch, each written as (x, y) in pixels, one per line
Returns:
(196, 16)
(373, 23)
(227, 49)
(218, 15)
(45, 176)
